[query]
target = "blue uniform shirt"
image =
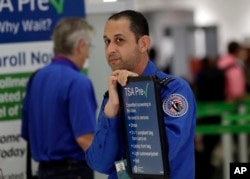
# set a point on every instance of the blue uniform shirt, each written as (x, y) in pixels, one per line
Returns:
(108, 146)
(59, 106)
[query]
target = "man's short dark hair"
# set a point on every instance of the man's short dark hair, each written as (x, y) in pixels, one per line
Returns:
(138, 23)
(233, 47)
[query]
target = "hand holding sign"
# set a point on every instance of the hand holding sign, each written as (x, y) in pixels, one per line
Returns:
(122, 76)
(118, 76)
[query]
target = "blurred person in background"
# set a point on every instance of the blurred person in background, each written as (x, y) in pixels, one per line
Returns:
(233, 66)
(244, 62)
(235, 84)
(59, 108)
(153, 55)
(209, 87)
(247, 71)
(209, 81)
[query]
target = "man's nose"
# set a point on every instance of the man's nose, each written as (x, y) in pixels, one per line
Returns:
(111, 48)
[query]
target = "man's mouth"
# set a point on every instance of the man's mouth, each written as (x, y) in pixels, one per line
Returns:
(112, 60)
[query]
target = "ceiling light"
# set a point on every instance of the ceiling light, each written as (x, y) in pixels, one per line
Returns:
(109, 0)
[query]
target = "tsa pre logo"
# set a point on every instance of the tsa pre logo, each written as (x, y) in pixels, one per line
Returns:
(175, 105)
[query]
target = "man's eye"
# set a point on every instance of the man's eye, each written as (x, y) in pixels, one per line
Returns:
(106, 42)
(119, 40)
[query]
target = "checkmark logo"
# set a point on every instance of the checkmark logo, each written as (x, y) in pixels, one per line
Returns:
(58, 5)
(146, 91)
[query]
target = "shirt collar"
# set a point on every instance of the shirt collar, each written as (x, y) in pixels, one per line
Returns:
(66, 61)
(150, 69)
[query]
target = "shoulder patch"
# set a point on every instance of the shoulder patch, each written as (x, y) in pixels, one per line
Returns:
(175, 105)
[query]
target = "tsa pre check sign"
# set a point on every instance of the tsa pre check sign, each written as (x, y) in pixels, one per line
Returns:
(144, 130)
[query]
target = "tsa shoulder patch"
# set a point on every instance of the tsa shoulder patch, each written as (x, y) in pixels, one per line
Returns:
(175, 105)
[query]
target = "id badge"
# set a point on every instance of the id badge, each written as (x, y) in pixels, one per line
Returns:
(121, 169)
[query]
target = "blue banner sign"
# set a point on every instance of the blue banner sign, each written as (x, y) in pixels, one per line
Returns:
(34, 20)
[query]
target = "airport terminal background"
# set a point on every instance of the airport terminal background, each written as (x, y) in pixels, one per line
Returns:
(183, 32)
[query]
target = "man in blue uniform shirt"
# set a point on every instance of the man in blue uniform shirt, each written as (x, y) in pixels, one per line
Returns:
(126, 38)
(59, 109)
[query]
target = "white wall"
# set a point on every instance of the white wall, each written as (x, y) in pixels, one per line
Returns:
(158, 21)
(98, 68)
(231, 16)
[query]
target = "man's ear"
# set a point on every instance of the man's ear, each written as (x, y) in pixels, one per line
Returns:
(80, 45)
(144, 43)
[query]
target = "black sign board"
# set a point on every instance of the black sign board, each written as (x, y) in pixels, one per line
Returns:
(144, 129)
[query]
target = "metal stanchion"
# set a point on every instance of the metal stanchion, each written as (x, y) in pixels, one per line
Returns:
(232, 123)
(227, 149)
(242, 137)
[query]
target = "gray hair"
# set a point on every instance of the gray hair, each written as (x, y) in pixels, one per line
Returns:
(68, 32)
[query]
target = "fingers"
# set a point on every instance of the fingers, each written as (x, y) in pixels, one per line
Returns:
(112, 80)
(111, 108)
(122, 76)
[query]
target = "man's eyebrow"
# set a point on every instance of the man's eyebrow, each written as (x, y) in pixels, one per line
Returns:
(119, 35)
(116, 35)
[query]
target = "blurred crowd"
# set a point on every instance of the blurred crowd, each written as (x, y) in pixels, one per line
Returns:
(225, 78)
